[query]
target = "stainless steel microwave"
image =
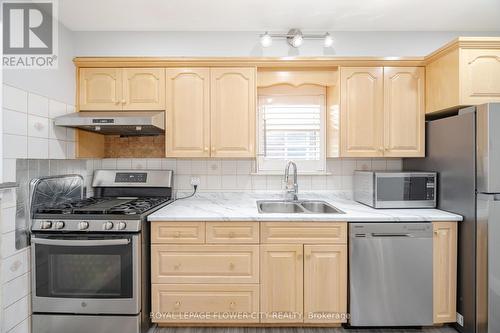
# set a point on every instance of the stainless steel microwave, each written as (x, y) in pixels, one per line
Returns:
(388, 189)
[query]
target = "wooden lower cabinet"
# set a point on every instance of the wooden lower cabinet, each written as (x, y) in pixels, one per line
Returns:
(302, 281)
(445, 271)
(325, 283)
(205, 303)
(281, 283)
(221, 264)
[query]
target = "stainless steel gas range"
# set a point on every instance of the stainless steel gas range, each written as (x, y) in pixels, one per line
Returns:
(90, 257)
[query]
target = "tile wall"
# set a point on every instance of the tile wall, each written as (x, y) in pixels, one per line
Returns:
(238, 175)
(28, 130)
(15, 254)
(28, 133)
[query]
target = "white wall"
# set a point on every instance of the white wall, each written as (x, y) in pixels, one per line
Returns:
(57, 84)
(247, 44)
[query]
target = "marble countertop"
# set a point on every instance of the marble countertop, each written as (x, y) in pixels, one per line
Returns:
(241, 206)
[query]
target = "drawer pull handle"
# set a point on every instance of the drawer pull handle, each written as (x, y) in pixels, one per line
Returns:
(231, 266)
(177, 267)
(177, 234)
(232, 305)
(231, 234)
(177, 304)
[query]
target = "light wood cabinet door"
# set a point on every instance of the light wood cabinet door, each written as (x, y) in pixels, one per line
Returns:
(240, 300)
(188, 112)
(177, 232)
(404, 112)
(361, 111)
(480, 76)
(304, 232)
(204, 263)
(143, 89)
(281, 291)
(233, 232)
(233, 93)
(100, 89)
(325, 283)
(445, 271)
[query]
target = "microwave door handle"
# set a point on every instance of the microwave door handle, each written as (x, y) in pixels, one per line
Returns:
(80, 242)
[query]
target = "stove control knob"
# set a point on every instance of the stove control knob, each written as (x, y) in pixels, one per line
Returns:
(121, 225)
(108, 225)
(83, 225)
(46, 225)
(59, 224)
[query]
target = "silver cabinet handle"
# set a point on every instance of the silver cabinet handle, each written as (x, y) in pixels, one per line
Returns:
(80, 242)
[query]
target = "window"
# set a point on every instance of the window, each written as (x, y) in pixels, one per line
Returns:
(291, 126)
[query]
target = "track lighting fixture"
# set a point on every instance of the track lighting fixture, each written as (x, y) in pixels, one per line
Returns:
(295, 38)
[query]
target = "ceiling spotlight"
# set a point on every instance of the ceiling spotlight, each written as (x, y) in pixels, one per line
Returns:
(266, 40)
(295, 37)
(328, 42)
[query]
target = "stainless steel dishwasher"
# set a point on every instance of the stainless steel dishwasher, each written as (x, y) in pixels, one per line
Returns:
(390, 274)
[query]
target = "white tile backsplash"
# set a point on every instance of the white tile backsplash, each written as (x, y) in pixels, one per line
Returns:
(57, 149)
(15, 146)
(16, 313)
(28, 126)
(39, 148)
(56, 109)
(238, 175)
(229, 167)
(15, 289)
(38, 105)
(15, 99)
(15, 265)
(15, 122)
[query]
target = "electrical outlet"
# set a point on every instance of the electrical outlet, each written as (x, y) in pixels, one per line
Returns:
(460, 319)
(195, 181)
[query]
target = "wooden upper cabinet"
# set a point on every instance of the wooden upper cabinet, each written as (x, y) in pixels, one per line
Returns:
(233, 94)
(143, 89)
(460, 76)
(445, 272)
(105, 89)
(100, 89)
(382, 111)
(480, 76)
(281, 291)
(361, 111)
(188, 112)
(325, 283)
(404, 112)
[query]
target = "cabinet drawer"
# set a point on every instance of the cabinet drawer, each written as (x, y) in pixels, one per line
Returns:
(205, 263)
(233, 232)
(304, 232)
(178, 232)
(169, 301)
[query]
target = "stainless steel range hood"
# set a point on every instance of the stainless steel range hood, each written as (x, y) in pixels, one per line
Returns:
(116, 123)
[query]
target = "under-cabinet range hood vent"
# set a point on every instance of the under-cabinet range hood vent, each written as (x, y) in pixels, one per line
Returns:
(123, 123)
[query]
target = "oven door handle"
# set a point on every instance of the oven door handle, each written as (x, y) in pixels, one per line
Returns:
(81, 242)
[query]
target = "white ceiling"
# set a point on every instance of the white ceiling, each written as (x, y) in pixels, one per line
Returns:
(280, 15)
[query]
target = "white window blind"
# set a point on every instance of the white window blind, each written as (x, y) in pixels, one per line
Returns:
(291, 127)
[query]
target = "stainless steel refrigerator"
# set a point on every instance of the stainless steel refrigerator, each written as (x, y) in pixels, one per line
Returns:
(464, 149)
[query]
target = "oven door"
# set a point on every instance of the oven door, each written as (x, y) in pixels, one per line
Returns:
(89, 274)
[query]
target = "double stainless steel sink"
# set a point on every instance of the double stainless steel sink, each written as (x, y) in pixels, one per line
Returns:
(296, 207)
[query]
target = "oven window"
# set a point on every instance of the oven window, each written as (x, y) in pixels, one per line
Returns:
(84, 271)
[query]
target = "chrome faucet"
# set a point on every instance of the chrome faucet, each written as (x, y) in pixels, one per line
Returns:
(291, 190)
